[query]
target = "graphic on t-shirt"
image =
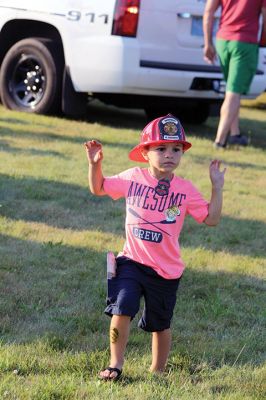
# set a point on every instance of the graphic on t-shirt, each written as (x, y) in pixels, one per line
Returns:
(146, 222)
(145, 197)
(163, 186)
(171, 213)
(150, 235)
(147, 234)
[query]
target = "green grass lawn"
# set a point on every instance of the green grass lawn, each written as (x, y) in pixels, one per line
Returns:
(54, 236)
(259, 102)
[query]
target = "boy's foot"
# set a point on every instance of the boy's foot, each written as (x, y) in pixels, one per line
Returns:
(110, 374)
(240, 140)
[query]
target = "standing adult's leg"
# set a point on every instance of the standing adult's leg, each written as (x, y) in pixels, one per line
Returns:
(234, 129)
(229, 113)
(161, 344)
(242, 65)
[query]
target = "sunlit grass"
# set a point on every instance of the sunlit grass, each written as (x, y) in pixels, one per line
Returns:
(259, 102)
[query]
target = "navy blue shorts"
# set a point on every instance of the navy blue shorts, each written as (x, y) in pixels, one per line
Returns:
(134, 280)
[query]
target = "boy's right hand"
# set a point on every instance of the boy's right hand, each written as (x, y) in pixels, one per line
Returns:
(93, 151)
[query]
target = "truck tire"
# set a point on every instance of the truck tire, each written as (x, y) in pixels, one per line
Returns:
(31, 77)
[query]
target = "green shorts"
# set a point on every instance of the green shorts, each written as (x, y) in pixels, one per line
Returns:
(238, 62)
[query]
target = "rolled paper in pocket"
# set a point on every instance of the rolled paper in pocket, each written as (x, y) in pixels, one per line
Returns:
(111, 265)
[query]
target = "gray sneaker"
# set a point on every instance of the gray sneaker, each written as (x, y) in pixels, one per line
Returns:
(219, 145)
(240, 140)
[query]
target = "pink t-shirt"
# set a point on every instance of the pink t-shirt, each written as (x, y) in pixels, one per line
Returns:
(153, 221)
(240, 20)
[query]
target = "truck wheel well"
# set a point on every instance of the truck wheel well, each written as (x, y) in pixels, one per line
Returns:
(16, 30)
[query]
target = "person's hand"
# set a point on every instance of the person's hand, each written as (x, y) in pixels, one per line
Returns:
(209, 53)
(216, 174)
(93, 151)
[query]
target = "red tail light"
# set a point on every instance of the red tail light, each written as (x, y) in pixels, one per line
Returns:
(126, 18)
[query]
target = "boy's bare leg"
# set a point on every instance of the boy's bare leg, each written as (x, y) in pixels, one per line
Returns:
(161, 344)
(119, 332)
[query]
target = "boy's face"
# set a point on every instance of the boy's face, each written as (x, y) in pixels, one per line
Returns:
(163, 158)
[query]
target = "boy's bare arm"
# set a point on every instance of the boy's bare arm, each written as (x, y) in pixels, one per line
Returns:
(216, 202)
(95, 175)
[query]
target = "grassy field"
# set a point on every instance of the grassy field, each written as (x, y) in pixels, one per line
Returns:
(259, 102)
(54, 236)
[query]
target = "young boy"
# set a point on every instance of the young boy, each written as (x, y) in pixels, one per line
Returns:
(150, 264)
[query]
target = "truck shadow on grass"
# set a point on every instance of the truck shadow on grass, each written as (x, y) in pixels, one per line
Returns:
(120, 118)
(69, 206)
(52, 137)
(115, 117)
(6, 147)
(56, 293)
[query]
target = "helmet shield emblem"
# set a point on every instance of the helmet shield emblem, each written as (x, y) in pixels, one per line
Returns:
(170, 129)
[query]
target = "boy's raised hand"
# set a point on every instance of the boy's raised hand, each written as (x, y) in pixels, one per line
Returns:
(93, 151)
(217, 175)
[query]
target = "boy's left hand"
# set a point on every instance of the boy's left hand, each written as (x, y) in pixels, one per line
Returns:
(216, 175)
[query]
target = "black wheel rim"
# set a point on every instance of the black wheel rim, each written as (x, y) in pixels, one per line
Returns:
(28, 81)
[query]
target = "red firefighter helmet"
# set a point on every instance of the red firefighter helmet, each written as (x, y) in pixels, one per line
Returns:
(167, 129)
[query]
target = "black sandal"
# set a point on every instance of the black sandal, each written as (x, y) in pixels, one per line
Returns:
(112, 378)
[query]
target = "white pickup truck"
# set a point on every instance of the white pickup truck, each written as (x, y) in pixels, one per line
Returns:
(56, 54)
